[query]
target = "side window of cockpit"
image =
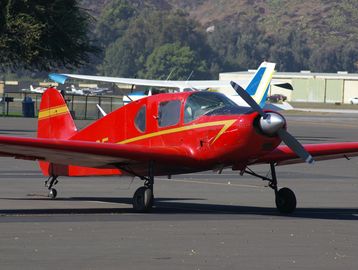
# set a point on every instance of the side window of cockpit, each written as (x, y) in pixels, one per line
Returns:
(139, 120)
(169, 113)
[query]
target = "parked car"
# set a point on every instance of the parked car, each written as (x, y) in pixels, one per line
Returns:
(275, 98)
(354, 100)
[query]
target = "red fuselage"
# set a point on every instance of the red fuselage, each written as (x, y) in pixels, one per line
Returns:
(212, 139)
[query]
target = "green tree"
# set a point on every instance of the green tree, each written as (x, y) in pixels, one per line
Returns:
(114, 20)
(175, 60)
(41, 34)
(128, 55)
(290, 51)
(325, 59)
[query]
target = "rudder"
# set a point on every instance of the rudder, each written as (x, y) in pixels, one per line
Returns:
(54, 120)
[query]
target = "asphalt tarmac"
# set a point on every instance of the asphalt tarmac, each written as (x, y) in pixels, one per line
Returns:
(200, 221)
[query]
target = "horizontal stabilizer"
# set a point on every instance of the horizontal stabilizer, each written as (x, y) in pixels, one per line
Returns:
(287, 86)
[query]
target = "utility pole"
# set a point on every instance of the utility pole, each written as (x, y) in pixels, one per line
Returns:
(2, 94)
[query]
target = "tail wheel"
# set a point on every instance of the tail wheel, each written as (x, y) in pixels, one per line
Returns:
(286, 201)
(52, 193)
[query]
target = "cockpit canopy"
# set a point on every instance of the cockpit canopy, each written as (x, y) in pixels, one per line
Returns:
(210, 103)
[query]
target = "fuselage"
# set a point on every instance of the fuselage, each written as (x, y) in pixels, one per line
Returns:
(213, 131)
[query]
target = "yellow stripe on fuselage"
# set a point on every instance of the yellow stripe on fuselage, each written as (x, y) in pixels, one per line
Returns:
(53, 111)
(226, 123)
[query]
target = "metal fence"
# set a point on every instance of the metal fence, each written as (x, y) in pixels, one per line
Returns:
(81, 107)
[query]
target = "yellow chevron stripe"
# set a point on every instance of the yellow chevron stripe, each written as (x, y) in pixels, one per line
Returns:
(225, 127)
(226, 123)
(53, 111)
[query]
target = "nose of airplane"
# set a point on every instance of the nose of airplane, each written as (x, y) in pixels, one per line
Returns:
(272, 123)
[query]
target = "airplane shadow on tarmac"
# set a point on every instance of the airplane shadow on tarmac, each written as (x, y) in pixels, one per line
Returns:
(169, 206)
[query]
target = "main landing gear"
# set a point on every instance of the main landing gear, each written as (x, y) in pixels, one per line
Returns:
(143, 198)
(50, 183)
(285, 198)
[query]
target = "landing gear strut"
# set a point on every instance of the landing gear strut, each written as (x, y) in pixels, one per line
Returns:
(143, 198)
(285, 198)
(50, 183)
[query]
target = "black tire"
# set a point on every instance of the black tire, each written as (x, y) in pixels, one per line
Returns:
(143, 199)
(286, 201)
(52, 193)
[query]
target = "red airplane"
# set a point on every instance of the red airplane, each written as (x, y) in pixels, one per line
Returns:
(167, 134)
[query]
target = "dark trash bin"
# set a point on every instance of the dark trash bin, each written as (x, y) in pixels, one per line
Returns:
(28, 107)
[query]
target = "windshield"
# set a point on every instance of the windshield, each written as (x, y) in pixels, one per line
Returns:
(210, 103)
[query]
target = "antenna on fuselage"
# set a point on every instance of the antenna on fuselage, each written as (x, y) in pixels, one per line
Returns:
(187, 80)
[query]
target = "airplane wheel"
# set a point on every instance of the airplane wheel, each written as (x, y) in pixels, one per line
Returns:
(286, 201)
(52, 193)
(143, 199)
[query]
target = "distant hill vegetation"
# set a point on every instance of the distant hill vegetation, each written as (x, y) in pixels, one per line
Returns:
(154, 38)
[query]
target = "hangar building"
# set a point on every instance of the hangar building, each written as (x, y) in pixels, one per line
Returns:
(337, 87)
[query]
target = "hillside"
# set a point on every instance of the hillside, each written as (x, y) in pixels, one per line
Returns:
(322, 16)
(315, 18)
(319, 35)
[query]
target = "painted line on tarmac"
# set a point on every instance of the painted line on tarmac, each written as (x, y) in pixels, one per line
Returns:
(326, 110)
(325, 124)
(14, 173)
(198, 209)
(209, 183)
(212, 173)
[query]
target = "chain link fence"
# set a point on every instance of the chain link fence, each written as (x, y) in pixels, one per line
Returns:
(81, 107)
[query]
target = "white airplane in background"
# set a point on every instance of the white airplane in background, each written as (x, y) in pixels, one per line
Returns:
(37, 90)
(86, 91)
(257, 87)
(75, 91)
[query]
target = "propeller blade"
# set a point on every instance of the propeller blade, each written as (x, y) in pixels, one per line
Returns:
(248, 99)
(286, 137)
(295, 145)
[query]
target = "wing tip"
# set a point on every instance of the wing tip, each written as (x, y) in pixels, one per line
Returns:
(59, 78)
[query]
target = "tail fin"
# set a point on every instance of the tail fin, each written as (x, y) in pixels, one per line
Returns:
(31, 88)
(55, 120)
(260, 83)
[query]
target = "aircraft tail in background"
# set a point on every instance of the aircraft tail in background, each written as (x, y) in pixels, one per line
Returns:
(259, 85)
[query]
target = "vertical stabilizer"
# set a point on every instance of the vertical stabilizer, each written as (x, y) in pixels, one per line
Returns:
(54, 120)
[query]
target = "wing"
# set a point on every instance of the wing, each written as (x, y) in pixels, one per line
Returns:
(88, 154)
(283, 155)
(201, 84)
(61, 78)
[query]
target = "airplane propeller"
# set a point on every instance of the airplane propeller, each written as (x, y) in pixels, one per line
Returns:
(272, 124)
